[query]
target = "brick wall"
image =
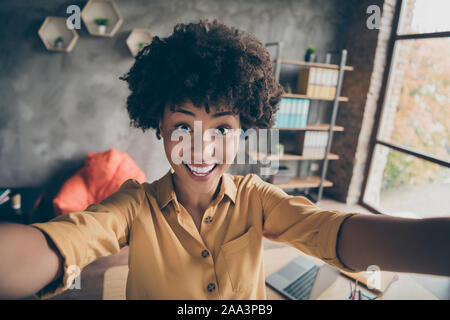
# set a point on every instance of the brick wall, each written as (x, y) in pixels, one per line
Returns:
(367, 53)
(400, 60)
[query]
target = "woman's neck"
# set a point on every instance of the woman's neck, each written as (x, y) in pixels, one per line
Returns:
(190, 198)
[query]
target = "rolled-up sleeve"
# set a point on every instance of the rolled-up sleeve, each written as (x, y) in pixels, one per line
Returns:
(101, 230)
(296, 221)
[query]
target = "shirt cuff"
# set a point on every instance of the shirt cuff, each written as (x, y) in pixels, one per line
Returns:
(71, 269)
(329, 240)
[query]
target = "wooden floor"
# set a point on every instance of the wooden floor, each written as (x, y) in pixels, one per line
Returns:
(92, 275)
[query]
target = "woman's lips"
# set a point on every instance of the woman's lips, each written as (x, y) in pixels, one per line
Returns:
(203, 170)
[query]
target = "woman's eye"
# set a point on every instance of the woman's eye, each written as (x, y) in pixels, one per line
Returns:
(222, 131)
(183, 127)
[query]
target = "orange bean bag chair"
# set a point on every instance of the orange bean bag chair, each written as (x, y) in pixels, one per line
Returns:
(102, 174)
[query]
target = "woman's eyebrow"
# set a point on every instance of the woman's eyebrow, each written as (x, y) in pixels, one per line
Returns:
(184, 111)
(216, 115)
(221, 114)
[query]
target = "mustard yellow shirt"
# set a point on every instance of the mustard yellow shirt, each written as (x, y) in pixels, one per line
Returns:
(170, 259)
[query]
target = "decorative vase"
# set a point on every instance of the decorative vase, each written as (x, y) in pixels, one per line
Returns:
(310, 57)
(59, 44)
(101, 29)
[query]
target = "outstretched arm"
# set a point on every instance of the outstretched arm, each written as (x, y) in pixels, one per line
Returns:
(45, 258)
(28, 261)
(396, 244)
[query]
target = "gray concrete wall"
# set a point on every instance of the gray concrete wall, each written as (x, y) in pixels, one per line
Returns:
(57, 107)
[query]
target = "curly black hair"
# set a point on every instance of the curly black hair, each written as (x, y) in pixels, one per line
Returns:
(209, 63)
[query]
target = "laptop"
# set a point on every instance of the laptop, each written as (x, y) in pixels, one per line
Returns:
(301, 279)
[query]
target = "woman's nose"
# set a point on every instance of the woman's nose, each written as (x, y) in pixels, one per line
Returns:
(203, 149)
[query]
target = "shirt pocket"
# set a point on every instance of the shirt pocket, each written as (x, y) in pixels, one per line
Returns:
(242, 256)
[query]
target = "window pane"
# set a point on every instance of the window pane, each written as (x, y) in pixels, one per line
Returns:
(404, 185)
(424, 16)
(416, 113)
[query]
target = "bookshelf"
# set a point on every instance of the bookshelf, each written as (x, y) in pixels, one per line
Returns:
(305, 182)
(304, 96)
(289, 156)
(313, 127)
(309, 181)
(315, 64)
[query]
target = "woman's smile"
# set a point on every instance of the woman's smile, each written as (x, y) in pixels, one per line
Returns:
(200, 172)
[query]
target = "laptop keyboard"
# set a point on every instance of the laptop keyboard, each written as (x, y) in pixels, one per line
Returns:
(301, 288)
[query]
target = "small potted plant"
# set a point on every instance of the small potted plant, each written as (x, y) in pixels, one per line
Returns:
(59, 42)
(102, 23)
(310, 55)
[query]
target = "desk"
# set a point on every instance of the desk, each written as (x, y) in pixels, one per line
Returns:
(404, 288)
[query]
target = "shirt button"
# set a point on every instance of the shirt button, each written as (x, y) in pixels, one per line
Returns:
(208, 219)
(211, 287)
(205, 254)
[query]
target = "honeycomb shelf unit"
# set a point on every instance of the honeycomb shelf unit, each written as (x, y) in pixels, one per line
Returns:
(101, 9)
(56, 36)
(138, 39)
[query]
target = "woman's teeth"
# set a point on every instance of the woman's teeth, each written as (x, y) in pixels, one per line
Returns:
(201, 171)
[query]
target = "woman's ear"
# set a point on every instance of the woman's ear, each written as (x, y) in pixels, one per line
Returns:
(158, 130)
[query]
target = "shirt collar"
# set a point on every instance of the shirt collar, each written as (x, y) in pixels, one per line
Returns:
(166, 192)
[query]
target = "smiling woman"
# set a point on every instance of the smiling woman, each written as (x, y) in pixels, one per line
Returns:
(222, 79)
(196, 233)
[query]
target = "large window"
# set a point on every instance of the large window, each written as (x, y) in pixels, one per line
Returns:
(409, 172)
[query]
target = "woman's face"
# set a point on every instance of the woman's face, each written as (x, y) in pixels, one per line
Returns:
(200, 146)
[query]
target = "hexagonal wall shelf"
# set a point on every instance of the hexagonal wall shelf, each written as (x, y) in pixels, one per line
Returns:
(101, 17)
(138, 39)
(56, 36)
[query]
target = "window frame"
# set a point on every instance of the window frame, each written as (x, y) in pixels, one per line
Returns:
(383, 99)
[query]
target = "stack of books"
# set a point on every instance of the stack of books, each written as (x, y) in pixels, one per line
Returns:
(312, 143)
(293, 113)
(4, 195)
(315, 143)
(282, 176)
(318, 83)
